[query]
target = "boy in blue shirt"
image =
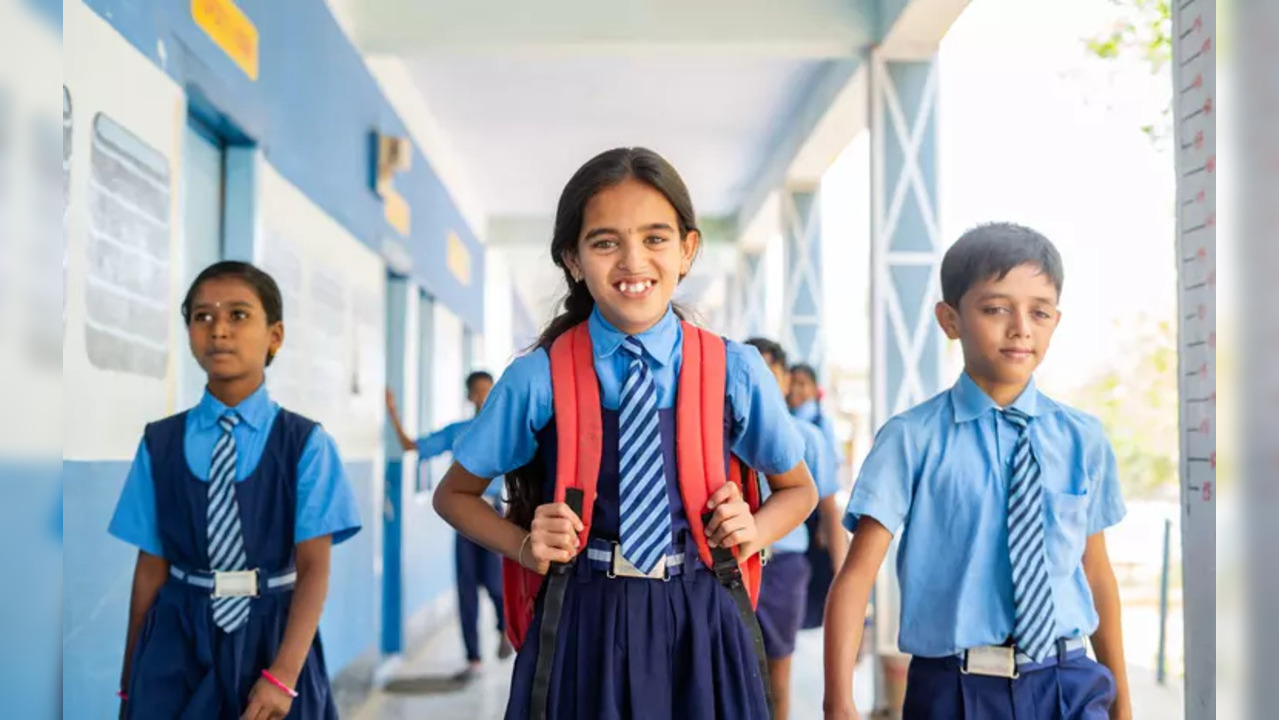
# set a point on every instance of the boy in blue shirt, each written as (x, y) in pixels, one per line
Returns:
(784, 585)
(999, 496)
(474, 564)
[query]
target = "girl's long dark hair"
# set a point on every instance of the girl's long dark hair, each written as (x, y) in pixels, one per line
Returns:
(525, 486)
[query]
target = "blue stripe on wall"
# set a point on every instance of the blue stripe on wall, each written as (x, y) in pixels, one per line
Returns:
(311, 111)
(50, 10)
(98, 575)
(30, 520)
(428, 549)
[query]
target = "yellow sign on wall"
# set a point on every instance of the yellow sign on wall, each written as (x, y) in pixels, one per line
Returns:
(396, 210)
(459, 259)
(230, 29)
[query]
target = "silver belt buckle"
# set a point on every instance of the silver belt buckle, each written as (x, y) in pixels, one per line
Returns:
(238, 583)
(990, 660)
(621, 567)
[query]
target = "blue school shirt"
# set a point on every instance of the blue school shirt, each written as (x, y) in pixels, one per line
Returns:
(821, 464)
(937, 477)
(812, 412)
(325, 502)
(445, 440)
(504, 434)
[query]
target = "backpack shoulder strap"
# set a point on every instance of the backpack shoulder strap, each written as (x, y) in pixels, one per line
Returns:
(699, 426)
(579, 425)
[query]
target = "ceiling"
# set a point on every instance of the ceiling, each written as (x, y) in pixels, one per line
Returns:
(525, 93)
(522, 128)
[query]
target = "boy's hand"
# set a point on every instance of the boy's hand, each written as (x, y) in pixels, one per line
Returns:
(267, 702)
(732, 523)
(390, 402)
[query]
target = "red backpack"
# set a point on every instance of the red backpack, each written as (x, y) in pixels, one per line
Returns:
(699, 451)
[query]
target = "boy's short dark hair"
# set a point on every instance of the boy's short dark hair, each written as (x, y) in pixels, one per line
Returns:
(476, 377)
(990, 251)
(805, 369)
(772, 352)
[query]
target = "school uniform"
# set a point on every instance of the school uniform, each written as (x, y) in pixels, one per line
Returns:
(289, 487)
(784, 586)
(638, 648)
(943, 478)
(822, 574)
(474, 564)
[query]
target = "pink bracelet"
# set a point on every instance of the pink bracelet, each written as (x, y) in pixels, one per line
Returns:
(122, 695)
(274, 681)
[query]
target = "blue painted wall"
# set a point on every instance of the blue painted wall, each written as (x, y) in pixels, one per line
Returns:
(30, 520)
(311, 110)
(418, 567)
(351, 617)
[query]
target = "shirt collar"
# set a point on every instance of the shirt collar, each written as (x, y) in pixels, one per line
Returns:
(971, 402)
(808, 411)
(658, 341)
(253, 410)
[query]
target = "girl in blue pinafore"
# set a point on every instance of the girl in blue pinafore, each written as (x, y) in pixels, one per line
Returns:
(630, 647)
(234, 506)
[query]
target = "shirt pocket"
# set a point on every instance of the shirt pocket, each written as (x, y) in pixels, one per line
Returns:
(1065, 530)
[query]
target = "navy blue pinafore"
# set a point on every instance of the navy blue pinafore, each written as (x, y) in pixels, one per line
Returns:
(640, 649)
(184, 667)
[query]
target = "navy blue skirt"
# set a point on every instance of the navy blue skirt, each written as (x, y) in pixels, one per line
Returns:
(782, 594)
(637, 649)
(185, 668)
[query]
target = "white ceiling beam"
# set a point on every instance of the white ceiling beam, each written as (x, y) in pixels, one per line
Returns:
(796, 28)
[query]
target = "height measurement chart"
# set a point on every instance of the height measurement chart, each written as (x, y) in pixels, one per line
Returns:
(1194, 27)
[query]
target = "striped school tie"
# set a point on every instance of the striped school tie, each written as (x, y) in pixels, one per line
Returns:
(226, 541)
(645, 511)
(1032, 593)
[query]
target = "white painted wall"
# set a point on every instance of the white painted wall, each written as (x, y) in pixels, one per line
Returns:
(332, 367)
(105, 410)
(30, 264)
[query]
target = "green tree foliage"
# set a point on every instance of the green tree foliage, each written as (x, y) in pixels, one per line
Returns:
(1137, 401)
(1142, 30)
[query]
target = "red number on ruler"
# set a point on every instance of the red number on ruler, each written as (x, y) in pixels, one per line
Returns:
(1203, 426)
(1212, 164)
(1199, 22)
(1199, 196)
(1211, 220)
(1201, 255)
(1212, 459)
(1207, 45)
(1208, 105)
(1207, 490)
(1212, 343)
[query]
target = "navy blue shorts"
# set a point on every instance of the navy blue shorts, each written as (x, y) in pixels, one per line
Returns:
(1078, 689)
(782, 593)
